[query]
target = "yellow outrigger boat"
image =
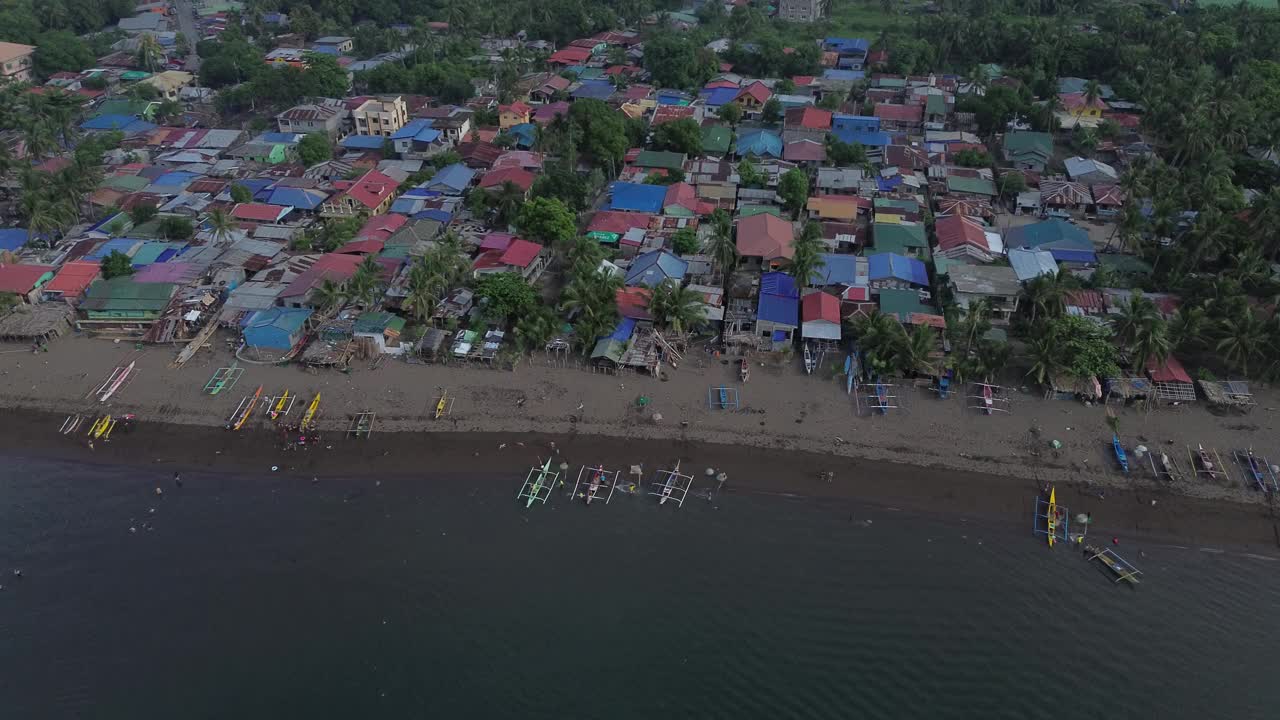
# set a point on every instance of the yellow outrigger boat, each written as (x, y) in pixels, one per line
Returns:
(280, 404)
(248, 410)
(442, 404)
(310, 415)
(1052, 520)
(102, 427)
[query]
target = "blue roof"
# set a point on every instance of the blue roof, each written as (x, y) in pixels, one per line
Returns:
(525, 133)
(108, 220)
(849, 75)
(870, 139)
(108, 122)
(716, 97)
(12, 238)
(123, 245)
(454, 177)
(759, 142)
(302, 198)
(1051, 234)
(778, 283)
(1084, 257)
(624, 330)
(857, 122)
(637, 198)
(654, 267)
(324, 50)
(888, 184)
(420, 192)
(596, 89)
(901, 267)
(672, 97)
(279, 137)
(254, 184)
(418, 129)
(434, 214)
(846, 45)
(363, 142)
(174, 178)
(839, 269)
(407, 205)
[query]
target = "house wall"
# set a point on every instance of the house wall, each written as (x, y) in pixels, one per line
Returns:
(17, 69)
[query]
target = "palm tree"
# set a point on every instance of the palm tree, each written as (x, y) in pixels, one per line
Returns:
(1047, 295)
(534, 329)
(1135, 317)
(150, 54)
(1243, 340)
(806, 258)
(422, 298)
(913, 355)
(506, 202)
(221, 225)
(1151, 343)
(1187, 327)
(365, 282)
(1092, 94)
(329, 296)
(724, 252)
(676, 307)
(1046, 356)
(989, 360)
(879, 337)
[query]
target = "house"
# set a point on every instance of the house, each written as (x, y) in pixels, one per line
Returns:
(124, 301)
(148, 23)
(777, 308)
(1090, 171)
(522, 159)
(275, 328)
(765, 240)
(1173, 384)
(839, 181)
(15, 62)
(801, 11)
(380, 116)
(169, 83)
(936, 109)
(759, 143)
(682, 201)
(451, 180)
(653, 268)
(900, 118)
(636, 197)
(550, 89)
(371, 193)
(287, 56)
(978, 186)
(1030, 264)
(528, 259)
(570, 56)
(453, 122)
(1107, 199)
(24, 281)
(418, 139)
(753, 97)
(807, 122)
(903, 238)
(1027, 150)
(517, 113)
(997, 284)
(313, 118)
(964, 238)
(1064, 195)
(260, 212)
(382, 330)
(891, 271)
(333, 44)
(716, 140)
(820, 317)
(807, 153)
(495, 180)
(836, 208)
(1066, 241)
(1076, 105)
(334, 267)
(71, 280)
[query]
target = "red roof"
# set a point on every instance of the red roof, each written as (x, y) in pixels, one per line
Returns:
(520, 253)
(683, 195)
(765, 236)
(362, 247)
(74, 278)
(900, 113)
(380, 227)
(522, 179)
(517, 107)
(714, 84)
(333, 266)
(499, 241)
(370, 189)
(667, 113)
(570, 56)
(616, 221)
(809, 117)
(757, 91)
(478, 154)
(524, 159)
(802, 80)
(956, 230)
(546, 113)
(820, 306)
(804, 151)
(875, 57)
(1170, 372)
(1075, 102)
(21, 279)
(1087, 300)
(633, 302)
(259, 212)
(211, 186)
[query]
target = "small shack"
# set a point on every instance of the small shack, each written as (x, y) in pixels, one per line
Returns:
(432, 345)
(382, 330)
(275, 329)
(1231, 395)
(1173, 384)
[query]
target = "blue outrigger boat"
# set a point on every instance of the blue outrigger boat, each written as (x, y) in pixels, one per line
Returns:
(1121, 458)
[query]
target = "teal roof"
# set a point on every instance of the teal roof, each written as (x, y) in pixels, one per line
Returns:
(376, 322)
(907, 234)
(901, 303)
(659, 159)
(971, 185)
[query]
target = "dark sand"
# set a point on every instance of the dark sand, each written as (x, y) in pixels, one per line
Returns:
(1175, 518)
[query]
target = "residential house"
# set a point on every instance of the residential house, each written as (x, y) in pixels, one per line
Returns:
(71, 280)
(570, 56)
(967, 239)
(806, 123)
(891, 271)
(313, 118)
(453, 122)
(716, 140)
(1030, 264)
(1090, 171)
(1066, 241)
(418, 140)
(839, 181)
(148, 23)
(651, 160)
(836, 208)
(1027, 150)
(805, 153)
(936, 110)
(495, 180)
(801, 11)
(334, 44)
(1064, 195)
(681, 200)
(24, 281)
(765, 241)
(820, 317)
(15, 62)
(287, 56)
(900, 118)
(1076, 105)
(452, 180)
(977, 187)
(778, 308)
(122, 301)
(382, 330)
(997, 284)
(753, 97)
(553, 87)
(759, 143)
(851, 53)
(334, 267)
(517, 113)
(653, 268)
(902, 238)
(380, 116)
(529, 259)
(259, 212)
(637, 197)
(275, 328)
(1108, 200)
(371, 193)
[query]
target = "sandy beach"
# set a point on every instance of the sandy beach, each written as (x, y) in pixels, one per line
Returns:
(790, 427)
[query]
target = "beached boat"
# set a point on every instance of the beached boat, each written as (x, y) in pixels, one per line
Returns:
(882, 397)
(310, 415)
(744, 370)
(540, 480)
(102, 427)
(597, 477)
(809, 361)
(988, 402)
(248, 410)
(1121, 458)
(1052, 520)
(442, 404)
(115, 384)
(279, 405)
(669, 485)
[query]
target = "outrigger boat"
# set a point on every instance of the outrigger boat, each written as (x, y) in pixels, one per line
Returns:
(600, 483)
(1121, 458)
(1052, 519)
(248, 410)
(309, 417)
(596, 477)
(537, 486)
(669, 485)
(1257, 468)
(115, 384)
(809, 361)
(442, 405)
(102, 427)
(1122, 568)
(279, 405)
(744, 370)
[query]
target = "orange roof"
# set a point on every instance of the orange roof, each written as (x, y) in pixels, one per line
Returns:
(73, 278)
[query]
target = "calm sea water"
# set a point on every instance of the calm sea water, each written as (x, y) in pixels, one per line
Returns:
(266, 597)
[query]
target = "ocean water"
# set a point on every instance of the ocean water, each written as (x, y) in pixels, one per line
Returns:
(269, 597)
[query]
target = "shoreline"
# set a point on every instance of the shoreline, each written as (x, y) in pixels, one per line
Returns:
(934, 490)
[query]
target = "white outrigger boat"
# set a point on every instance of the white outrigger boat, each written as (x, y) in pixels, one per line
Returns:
(671, 485)
(538, 484)
(118, 379)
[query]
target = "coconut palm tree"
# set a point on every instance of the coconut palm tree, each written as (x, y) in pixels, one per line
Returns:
(724, 252)
(1045, 355)
(506, 202)
(1047, 295)
(534, 329)
(329, 296)
(1151, 343)
(1186, 329)
(806, 258)
(366, 282)
(1243, 340)
(879, 337)
(150, 54)
(221, 225)
(1135, 316)
(676, 307)
(913, 354)
(422, 295)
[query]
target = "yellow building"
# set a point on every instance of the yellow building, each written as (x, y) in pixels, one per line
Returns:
(15, 62)
(517, 113)
(380, 116)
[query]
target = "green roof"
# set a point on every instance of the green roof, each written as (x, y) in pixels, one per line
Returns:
(942, 265)
(150, 252)
(716, 139)
(971, 185)
(126, 183)
(749, 210)
(908, 205)
(122, 106)
(125, 294)
(891, 82)
(377, 322)
(905, 234)
(935, 105)
(591, 73)
(659, 159)
(1028, 143)
(1127, 264)
(609, 348)
(902, 303)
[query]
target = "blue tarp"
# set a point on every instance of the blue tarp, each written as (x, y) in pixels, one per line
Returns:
(12, 238)
(778, 283)
(839, 269)
(779, 309)
(717, 97)
(624, 330)
(363, 142)
(901, 267)
(637, 198)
